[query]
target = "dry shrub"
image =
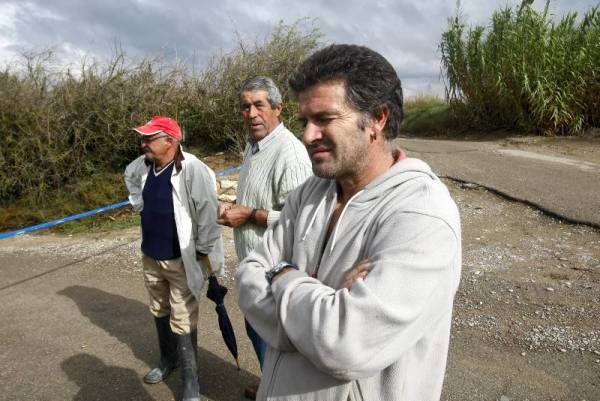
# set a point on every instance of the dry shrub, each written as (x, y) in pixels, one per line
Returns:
(59, 128)
(218, 109)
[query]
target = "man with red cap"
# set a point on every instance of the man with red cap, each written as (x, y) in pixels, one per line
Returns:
(175, 194)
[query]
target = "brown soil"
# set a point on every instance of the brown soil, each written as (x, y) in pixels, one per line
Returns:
(585, 148)
(528, 307)
(222, 161)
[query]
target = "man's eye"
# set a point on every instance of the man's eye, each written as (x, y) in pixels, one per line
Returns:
(324, 120)
(302, 122)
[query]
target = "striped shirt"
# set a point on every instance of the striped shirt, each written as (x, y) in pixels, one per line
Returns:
(267, 176)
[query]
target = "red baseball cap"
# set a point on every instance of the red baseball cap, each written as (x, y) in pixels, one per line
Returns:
(161, 124)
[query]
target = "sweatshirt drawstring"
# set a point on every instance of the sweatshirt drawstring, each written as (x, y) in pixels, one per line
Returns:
(313, 218)
(337, 225)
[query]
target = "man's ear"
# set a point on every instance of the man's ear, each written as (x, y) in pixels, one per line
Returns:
(278, 109)
(379, 119)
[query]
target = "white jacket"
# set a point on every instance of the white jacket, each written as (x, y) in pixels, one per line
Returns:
(387, 337)
(195, 207)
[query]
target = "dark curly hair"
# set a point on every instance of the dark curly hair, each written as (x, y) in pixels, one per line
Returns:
(370, 80)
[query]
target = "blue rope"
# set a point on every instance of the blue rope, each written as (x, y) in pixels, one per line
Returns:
(102, 209)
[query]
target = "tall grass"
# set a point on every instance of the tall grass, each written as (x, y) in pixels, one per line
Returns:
(61, 127)
(426, 115)
(526, 70)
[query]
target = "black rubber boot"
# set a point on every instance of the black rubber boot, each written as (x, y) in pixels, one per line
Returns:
(168, 352)
(187, 348)
(194, 335)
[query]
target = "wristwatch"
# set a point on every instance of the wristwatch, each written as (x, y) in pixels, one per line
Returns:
(252, 217)
(275, 270)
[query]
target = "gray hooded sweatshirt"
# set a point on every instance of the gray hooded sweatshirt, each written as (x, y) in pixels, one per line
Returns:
(386, 338)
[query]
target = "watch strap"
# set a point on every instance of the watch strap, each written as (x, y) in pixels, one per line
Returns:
(252, 217)
(270, 274)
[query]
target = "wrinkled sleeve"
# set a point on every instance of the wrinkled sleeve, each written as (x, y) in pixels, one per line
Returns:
(133, 182)
(350, 334)
(292, 177)
(204, 199)
(255, 297)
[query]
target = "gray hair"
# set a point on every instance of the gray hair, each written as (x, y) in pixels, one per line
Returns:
(265, 84)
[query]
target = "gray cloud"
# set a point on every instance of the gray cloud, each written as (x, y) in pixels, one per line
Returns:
(406, 32)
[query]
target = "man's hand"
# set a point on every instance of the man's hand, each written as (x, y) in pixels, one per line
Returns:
(233, 215)
(223, 207)
(360, 271)
(205, 262)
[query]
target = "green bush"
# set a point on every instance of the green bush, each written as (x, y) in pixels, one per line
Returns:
(217, 111)
(526, 71)
(59, 128)
(426, 116)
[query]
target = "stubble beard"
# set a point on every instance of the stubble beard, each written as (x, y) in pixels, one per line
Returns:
(353, 162)
(148, 154)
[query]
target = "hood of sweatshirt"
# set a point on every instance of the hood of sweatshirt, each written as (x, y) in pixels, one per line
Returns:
(401, 172)
(405, 169)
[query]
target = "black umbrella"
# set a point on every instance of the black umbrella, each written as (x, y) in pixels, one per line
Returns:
(216, 292)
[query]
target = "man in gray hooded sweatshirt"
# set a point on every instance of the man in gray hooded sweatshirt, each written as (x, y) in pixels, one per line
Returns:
(353, 288)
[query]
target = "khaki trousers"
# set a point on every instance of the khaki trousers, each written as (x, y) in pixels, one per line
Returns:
(169, 293)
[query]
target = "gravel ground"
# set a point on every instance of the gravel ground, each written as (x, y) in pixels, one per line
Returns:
(528, 307)
(526, 313)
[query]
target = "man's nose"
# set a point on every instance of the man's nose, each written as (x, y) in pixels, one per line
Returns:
(312, 133)
(253, 112)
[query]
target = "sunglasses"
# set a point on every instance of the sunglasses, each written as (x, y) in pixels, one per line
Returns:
(153, 138)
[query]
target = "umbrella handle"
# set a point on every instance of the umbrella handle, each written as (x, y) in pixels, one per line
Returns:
(205, 261)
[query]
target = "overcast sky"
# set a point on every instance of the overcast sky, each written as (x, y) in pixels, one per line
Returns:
(406, 32)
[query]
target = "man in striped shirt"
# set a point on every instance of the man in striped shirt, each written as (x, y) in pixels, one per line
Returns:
(275, 162)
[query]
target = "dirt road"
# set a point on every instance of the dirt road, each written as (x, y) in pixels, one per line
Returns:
(526, 326)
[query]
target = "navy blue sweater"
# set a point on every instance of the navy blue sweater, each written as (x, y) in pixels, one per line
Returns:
(159, 232)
